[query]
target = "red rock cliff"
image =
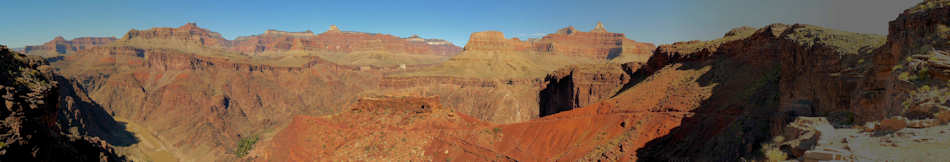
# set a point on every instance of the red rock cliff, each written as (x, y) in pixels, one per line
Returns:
(494, 41)
(581, 85)
(597, 44)
(189, 33)
(334, 40)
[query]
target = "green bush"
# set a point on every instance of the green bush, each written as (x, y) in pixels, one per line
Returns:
(245, 145)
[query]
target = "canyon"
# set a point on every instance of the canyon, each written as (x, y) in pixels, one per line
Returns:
(776, 92)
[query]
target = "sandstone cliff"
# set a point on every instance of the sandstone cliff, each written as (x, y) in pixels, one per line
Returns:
(597, 44)
(581, 85)
(494, 41)
(909, 76)
(337, 41)
(60, 45)
(188, 34)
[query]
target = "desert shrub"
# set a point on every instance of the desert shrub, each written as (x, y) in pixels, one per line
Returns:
(775, 155)
(905, 76)
(245, 146)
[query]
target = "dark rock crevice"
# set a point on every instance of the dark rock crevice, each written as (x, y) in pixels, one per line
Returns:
(557, 96)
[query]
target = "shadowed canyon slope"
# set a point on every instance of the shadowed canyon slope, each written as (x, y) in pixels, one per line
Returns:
(778, 92)
(30, 114)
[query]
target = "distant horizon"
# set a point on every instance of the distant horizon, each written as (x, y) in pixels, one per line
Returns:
(652, 22)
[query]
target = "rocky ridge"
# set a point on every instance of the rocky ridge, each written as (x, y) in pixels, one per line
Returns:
(189, 34)
(30, 114)
(596, 44)
(334, 40)
(60, 45)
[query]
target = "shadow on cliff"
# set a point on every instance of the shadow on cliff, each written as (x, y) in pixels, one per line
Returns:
(80, 115)
(731, 124)
(557, 96)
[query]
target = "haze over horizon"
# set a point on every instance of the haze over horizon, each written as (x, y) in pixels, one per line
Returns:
(656, 22)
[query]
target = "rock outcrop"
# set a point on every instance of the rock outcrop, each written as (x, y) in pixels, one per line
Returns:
(844, 59)
(188, 34)
(581, 85)
(60, 45)
(503, 69)
(494, 41)
(336, 41)
(29, 126)
(909, 72)
(596, 44)
(500, 101)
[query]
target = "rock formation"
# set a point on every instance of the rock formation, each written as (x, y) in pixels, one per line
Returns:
(909, 73)
(551, 99)
(30, 131)
(511, 71)
(494, 41)
(599, 28)
(188, 34)
(59, 45)
(336, 41)
(597, 44)
(581, 85)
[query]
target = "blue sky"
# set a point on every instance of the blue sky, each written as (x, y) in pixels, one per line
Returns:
(30, 22)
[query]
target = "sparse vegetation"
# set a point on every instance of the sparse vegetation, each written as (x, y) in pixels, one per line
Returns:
(847, 43)
(927, 5)
(775, 155)
(245, 146)
(772, 151)
(906, 76)
(504, 65)
(732, 35)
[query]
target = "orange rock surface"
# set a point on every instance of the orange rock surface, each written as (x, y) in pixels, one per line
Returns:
(597, 44)
(335, 40)
(189, 33)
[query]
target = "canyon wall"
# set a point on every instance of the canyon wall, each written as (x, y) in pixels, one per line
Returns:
(224, 99)
(30, 113)
(189, 33)
(581, 85)
(596, 44)
(338, 41)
